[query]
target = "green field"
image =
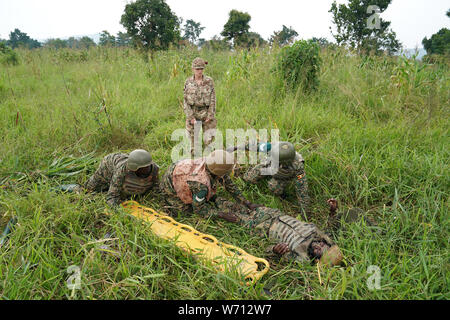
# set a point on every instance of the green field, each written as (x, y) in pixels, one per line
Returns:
(374, 135)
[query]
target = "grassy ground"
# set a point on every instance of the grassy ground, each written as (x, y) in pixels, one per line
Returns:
(375, 136)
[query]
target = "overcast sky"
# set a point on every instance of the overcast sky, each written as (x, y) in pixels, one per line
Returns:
(412, 20)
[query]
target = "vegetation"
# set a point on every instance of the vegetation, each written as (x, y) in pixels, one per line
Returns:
(236, 28)
(192, 30)
(151, 24)
(299, 65)
(359, 26)
(21, 39)
(439, 43)
(374, 135)
(283, 37)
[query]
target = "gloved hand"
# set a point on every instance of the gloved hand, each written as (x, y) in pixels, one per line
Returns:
(281, 248)
(230, 217)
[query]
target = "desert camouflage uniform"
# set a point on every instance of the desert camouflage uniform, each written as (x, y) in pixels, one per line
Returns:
(199, 191)
(200, 104)
(278, 183)
(280, 228)
(113, 175)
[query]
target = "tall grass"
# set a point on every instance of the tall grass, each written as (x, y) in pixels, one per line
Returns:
(374, 135)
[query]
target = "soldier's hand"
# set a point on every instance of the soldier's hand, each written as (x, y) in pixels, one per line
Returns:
(281, 248)
(230, 217)
(192, 121)
(333, 205)
(252, 206)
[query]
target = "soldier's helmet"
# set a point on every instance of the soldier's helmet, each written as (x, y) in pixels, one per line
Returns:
(220, 162)
(199, 63)
(284, 150)
(333, 256)
(138, 159)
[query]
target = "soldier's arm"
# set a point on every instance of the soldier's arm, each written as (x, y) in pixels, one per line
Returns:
(200, 204)
(233, 190)
(252, 146)
(187, 108)
(212, 105)
(115, 187)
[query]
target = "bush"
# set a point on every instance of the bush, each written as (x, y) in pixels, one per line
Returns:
(299, 65)
(7, 55)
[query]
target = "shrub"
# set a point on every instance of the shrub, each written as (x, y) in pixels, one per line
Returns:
(299, 65)
(7, 55)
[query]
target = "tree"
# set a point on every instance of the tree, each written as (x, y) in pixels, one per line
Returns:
(82, 43)
(55, 43)
(360, 27)
(236, 28)
(254, 39)
(284, 36)
(215, 43)
(107, 39)
(439, 43)
(86, 43)
(322, 42)
(21, 39)
(192, 30)
(123, 39)
(151, 24)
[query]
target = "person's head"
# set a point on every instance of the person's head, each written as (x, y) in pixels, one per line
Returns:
(326, 254)
(198, 65)
(140, 162)
(284, 151)
(316, 249)
(220, 162)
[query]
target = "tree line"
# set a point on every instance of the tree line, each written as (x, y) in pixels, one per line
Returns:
(151, 25)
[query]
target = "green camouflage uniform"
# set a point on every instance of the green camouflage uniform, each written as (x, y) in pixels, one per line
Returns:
(280, 228)
(287, 174)
(113, 176)
(199, 191)
(200, 104)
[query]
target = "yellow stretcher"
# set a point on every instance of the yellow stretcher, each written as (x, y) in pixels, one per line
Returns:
(206, 247)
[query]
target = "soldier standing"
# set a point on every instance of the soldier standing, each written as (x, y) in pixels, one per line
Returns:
(295, 239)
(291, 170)
(200, 103)
(124, 175)
(190, 185)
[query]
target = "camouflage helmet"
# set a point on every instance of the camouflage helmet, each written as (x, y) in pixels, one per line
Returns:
(220, 162)
(138, 159)
(199, 63)
(284, 150)
(332, 256)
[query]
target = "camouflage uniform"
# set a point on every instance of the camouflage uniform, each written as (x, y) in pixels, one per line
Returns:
(200, 203)
(200, 104)
(286, 174)
(280, 228)
(113, 175)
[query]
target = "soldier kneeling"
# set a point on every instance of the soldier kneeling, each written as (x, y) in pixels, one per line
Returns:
(124, 175)
(190, 185)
